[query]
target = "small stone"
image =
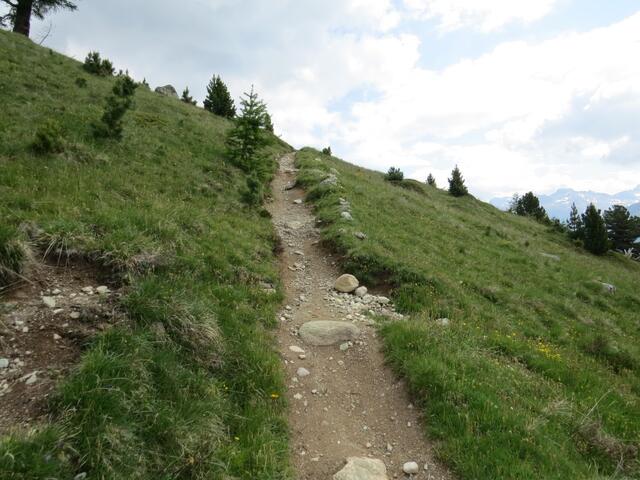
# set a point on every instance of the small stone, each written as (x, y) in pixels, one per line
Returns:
(383, 300)
(87, 290)
(302, 356)
(298, 396)
(362, 469)
(57, 291)
(49, 302)
(4, 363)
(303, 372)
(58, 311)
(295, 349)
(360, 235)
(102, 290)
(74, 315)
(443, 322)
(346, 216)
(344, 347)
(25, 329)
(389, 448)
(298, 201)
(56, 337)
(80, 476)
(31, 378)
(361, 291)
(411, 468)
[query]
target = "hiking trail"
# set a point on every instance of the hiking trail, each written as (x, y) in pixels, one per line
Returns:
(344, 401)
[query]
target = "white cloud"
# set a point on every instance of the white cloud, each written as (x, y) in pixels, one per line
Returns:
(485, 15)
(490, 114)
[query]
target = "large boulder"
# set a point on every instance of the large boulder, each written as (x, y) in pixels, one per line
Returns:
(167, 91)
(362, 469)
(324, 332)
(346, 283)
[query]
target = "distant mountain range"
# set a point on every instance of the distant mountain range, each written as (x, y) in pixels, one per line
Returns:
(558, 204)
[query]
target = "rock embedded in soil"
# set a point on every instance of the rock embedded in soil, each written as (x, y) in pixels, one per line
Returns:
(49, 302)
(411, 468)
(303, 372)
(4, 363)
(362, 469)
(296, 349)
(325, 333)
(346, 283)
(103, 290)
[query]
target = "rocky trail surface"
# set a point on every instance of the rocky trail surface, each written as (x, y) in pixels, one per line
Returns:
(350, 417)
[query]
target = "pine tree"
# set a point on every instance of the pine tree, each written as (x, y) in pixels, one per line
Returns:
(595, 231)
(187, 98)
(529, 206)
(247, 136)
(431, 180)
(21, 11)
(574, 225)
(219, 101)
(118, 103)
(621, 227)
(394, 175)
(268, 124)
(457, 188)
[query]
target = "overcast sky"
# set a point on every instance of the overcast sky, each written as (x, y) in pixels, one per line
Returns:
(521, 94)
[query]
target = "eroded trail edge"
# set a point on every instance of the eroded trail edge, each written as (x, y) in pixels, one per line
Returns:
(344, 401)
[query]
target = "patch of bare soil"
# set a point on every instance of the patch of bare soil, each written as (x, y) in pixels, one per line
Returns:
(344, 401)
(45, 323)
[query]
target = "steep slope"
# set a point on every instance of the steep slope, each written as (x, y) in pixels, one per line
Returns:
(182, 386)
(525, 364)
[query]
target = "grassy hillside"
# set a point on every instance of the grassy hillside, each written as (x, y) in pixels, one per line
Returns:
(161, 208)
(537, 373)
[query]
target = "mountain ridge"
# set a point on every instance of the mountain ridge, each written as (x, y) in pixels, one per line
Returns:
(558, 204)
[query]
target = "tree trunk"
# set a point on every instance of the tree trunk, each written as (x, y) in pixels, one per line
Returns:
(22, 23)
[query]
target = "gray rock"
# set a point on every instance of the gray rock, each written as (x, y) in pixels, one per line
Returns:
(443, 322)
(362, 469)
(608, 288)
(31, 378)
(295, 349)
(361, 291)
(555, 258)
(49, 302)
(74, 315)
(329, 181)
(360, 235)
(346, 283)
(344, 347)
(167, 91)
(411, 468)
(80, 476)
(298, 201)
(324, 332)
(346, 216)
(102, 289)
(4, 363)
(303, 372)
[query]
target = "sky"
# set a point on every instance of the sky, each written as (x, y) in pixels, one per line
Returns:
(520, 94)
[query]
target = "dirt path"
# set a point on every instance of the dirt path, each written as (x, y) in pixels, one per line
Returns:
(349, 404)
